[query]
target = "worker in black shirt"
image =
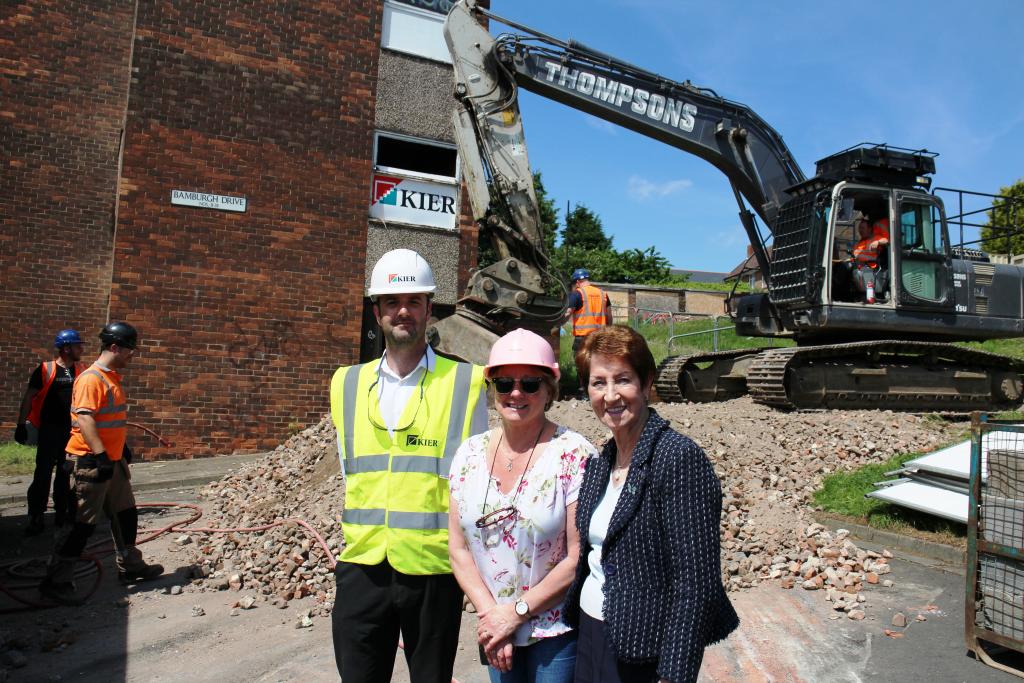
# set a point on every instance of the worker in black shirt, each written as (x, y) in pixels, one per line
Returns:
(46, 407)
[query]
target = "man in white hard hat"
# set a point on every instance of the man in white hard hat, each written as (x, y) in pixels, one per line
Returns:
(400, 419)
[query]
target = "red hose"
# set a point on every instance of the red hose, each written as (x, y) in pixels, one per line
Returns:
(197, 512)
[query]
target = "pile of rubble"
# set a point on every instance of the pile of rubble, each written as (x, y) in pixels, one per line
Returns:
(299, 480)
(769, 462)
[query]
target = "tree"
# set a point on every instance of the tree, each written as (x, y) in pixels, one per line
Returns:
(486, 255)
(583, 229)
(548, 213)
(1003, 232)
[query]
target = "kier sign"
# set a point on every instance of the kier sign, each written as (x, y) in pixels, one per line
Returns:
(416, 202)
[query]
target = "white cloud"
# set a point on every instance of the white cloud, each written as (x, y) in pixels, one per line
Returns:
(642, 189)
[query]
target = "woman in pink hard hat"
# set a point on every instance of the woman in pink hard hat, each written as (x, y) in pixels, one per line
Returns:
(512, 532)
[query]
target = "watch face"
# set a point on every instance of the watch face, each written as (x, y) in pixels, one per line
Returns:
(522, 608)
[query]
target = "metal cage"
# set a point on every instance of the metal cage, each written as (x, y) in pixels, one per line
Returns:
(995, 541)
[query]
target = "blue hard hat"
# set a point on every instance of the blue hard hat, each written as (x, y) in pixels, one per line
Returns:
(66, 338)
(580, 274)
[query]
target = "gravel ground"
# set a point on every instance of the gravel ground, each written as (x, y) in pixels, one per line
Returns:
(769, 462)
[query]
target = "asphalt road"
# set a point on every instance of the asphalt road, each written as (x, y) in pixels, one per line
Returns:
(786, 635)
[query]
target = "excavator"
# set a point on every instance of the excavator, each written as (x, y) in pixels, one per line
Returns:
(894, 353)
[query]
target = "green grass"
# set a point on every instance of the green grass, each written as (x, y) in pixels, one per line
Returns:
(1006, 347)
(16, 459)
(843, 493)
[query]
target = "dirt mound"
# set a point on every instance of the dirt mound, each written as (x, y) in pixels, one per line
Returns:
(769, 462)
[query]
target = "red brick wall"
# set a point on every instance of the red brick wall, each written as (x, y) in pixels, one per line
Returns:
(244, 316)
(60, 122)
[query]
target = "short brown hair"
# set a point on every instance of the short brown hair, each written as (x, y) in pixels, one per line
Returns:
(617, 341)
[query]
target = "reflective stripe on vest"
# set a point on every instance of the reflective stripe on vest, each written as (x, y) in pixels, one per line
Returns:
(593, 314)
(870, 256)
(396, 504)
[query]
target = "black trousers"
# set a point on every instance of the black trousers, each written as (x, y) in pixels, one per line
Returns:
(596, 661)
(50, 457)
(374, 603)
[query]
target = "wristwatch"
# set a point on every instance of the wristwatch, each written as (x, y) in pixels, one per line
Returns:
(522, 609)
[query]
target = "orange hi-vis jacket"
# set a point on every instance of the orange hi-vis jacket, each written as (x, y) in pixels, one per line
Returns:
(593, 314)
(99, 392)
(861, 252)
(49, 372)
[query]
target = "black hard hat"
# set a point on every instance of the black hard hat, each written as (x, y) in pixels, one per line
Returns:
(119, 333)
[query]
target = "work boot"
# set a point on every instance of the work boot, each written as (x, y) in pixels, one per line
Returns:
(35, 525)
(63, 593)
(59, 584)
(131, 567)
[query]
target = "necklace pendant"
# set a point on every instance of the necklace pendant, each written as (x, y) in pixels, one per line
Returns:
(508, 466)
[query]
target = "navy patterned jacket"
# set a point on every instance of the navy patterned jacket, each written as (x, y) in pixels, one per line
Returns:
(663, 594)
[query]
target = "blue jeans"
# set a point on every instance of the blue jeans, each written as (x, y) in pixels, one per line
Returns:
(549, 660)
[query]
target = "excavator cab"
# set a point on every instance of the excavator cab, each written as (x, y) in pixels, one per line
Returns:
(913, 270)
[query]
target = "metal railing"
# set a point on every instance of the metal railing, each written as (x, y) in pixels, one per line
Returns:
(715, 329)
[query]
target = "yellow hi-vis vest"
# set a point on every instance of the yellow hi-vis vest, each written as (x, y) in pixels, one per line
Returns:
(396, 492)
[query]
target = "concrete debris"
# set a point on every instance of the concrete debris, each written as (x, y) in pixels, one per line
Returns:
(248, 602)
(769, 462)
(198, 611)
(899, 620)
(183, 539)
(304, 620)
(175, 590)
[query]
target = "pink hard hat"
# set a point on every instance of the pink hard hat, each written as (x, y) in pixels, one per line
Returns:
(522, 347)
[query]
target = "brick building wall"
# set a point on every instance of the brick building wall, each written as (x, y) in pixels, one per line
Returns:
(60, 132)
(243, 316)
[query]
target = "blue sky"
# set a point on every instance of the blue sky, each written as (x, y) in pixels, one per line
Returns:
(942, 75)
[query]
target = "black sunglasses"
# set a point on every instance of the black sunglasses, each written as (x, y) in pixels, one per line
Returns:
(527, 385)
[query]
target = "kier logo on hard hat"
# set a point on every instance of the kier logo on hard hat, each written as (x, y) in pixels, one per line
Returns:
(394, 278)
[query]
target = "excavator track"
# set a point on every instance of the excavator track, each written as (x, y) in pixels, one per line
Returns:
(680, 378)
(886, 375)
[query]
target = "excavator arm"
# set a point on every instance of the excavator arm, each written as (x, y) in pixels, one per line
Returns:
(489, 131)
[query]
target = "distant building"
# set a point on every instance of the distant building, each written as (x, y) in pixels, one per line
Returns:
(748, 271)
(706, 276)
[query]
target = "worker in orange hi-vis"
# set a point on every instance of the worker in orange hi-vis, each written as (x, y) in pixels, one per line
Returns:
(868, 272)
(589, 309)
(45, 410)
(99, 425)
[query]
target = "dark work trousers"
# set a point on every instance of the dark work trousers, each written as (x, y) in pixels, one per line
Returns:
(596, 661)
(373, 603)
(50, 457)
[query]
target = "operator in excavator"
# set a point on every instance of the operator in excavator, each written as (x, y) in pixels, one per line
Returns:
(588, 307)
(869, 272)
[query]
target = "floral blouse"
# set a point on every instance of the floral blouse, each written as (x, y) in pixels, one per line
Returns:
(514, 556)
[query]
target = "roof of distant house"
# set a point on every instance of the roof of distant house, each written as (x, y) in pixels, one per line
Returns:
(700, 275)
(748, 264)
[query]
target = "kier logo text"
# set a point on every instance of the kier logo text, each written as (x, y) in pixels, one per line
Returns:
(394, 278)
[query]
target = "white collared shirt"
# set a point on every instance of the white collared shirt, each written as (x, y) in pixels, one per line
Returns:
(394, 392)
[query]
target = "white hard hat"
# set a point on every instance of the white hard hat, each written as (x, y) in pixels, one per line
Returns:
(401, 271)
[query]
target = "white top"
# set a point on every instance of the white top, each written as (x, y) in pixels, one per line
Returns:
(592, 593)
(393, 391)
(513, 557)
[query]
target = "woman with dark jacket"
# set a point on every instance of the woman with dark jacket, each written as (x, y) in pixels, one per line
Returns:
(648, 595)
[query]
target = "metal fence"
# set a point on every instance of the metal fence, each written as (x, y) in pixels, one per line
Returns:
(995, 542)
